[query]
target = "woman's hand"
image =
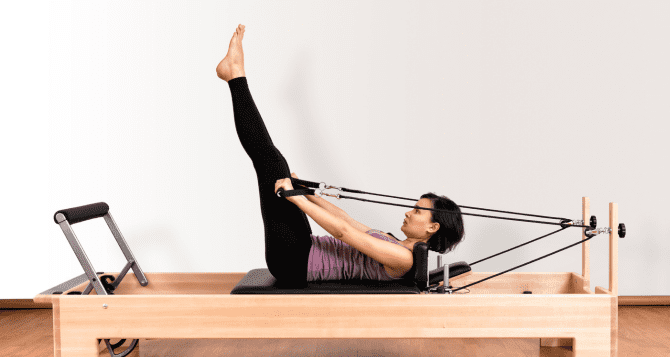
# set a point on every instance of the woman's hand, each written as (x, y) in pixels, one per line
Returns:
(284, 183)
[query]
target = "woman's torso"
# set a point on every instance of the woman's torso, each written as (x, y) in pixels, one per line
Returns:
(332, 259)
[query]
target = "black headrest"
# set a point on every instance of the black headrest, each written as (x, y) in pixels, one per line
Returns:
(419, 271)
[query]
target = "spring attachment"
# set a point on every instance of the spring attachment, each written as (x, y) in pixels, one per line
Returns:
(330, 195)
(567, 223)
(593, 232)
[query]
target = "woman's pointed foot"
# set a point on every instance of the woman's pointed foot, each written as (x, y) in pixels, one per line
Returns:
(232, 66)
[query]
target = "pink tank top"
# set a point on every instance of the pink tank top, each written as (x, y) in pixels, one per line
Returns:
(332, 259)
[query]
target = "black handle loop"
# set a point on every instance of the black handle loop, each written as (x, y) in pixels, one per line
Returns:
(282, 193)
(294, 181)
(305, 183)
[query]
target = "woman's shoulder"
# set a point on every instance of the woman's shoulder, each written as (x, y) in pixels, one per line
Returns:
(388, 235)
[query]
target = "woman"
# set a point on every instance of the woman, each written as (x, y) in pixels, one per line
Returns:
(295, 256)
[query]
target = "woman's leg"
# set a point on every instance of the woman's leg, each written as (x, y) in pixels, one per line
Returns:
(287, 230)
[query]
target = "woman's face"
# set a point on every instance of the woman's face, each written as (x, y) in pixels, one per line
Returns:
(417, 221)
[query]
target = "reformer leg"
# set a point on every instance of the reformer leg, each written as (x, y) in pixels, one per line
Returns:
(76, 345)
(591, 345)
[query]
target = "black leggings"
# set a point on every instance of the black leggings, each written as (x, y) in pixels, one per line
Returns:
(287, 230)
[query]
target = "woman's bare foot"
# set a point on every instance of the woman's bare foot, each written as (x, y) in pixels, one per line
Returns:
(232, 66)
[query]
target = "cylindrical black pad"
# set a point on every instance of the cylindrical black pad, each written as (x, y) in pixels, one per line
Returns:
(83, 213)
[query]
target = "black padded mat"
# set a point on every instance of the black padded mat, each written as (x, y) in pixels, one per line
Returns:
(261, 281)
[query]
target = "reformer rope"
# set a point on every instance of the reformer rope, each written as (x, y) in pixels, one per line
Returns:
(518, 246)
(463, 213)
(522, 265)
(338, 196)
(462, 206)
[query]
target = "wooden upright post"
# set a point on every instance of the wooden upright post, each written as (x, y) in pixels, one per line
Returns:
(586, 246)
(614, 276)
(614, 249)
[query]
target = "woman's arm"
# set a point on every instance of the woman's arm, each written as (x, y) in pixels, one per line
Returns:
(331, 223)
(337, 212)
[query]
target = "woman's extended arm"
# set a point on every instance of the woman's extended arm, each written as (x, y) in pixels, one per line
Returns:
(330, 222)
(336, 211)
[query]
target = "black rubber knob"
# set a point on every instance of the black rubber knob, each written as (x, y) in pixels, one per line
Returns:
(622, 230)
(594, 222)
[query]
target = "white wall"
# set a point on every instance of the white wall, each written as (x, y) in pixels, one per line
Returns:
(521, 106)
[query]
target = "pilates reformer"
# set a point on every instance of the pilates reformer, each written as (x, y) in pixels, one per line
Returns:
(558, 308)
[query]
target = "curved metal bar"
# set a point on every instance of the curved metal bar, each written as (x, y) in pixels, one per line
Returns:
(124, 353)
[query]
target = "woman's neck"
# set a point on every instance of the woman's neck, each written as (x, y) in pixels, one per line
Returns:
(409, 242)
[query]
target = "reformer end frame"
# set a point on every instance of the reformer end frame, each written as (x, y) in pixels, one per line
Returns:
(65, 218)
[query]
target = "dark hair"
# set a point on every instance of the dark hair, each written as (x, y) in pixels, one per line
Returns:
(451, 230)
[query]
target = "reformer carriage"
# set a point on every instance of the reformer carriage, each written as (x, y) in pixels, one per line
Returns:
(558, 308)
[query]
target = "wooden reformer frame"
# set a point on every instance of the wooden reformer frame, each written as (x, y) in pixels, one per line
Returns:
(561, 311)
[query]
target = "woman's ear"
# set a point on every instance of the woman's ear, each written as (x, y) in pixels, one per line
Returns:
(435, 227)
